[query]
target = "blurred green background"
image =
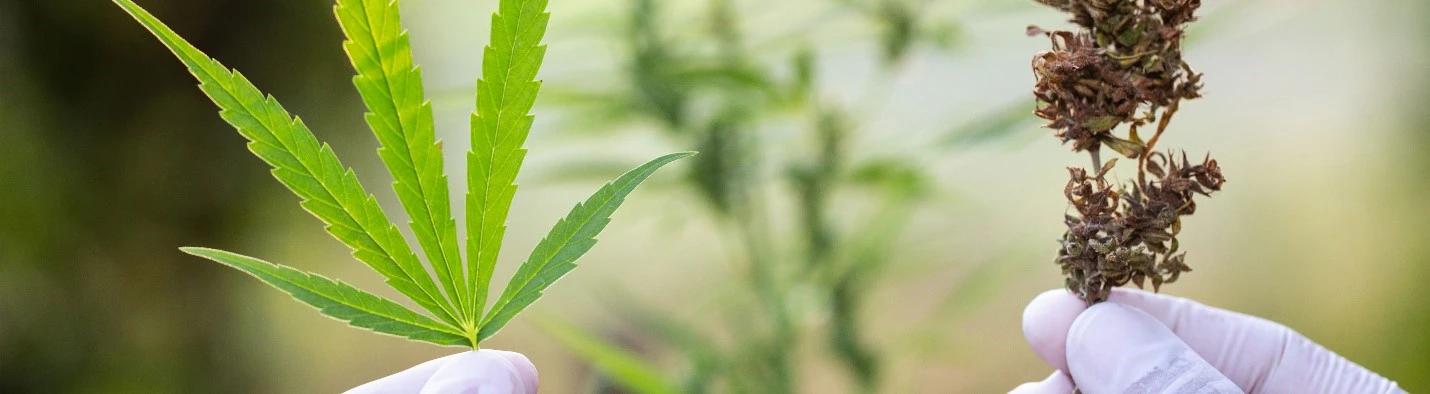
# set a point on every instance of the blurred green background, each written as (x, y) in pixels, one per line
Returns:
(827, 126)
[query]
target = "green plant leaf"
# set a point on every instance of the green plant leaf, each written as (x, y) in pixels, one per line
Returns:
(620, 365)
(571, 238)
(705, 358)
(1007, 121)
(500, 124)
(401, 117)
(310, 169)
(340, 300)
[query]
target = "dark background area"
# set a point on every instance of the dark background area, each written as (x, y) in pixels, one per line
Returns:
(99, 189)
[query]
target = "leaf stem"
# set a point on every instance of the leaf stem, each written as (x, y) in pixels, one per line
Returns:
(1162, 123)
(473, 333)
(769, 288)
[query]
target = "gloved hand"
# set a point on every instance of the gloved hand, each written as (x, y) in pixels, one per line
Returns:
(1140, 342)
(474, 372)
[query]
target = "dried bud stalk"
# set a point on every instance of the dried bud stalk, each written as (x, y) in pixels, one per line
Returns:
(1123, 66)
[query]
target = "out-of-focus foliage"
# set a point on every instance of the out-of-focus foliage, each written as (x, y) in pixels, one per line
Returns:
(1407, 353)
(807, 275)
(634, 374)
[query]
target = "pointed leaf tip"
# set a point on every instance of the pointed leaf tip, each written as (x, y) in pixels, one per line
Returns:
(566, 242)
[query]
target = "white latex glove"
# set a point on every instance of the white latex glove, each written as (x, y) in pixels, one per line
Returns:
(473, 372)
(1140, 342)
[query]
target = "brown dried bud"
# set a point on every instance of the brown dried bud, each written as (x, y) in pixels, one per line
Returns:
(1126, 57)
(1121, 237)
(1123, 66)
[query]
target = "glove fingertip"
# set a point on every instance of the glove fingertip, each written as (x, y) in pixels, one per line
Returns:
(525, 370)
(1046, 322)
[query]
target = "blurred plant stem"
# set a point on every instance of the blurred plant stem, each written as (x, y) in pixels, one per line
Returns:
(808, 274)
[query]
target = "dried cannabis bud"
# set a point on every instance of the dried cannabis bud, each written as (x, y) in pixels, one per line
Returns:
(1123, 66)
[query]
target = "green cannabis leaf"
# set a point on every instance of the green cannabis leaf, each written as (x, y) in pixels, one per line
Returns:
(401, 118)
(340, 300)
(328, 189)
(619, 364)
(505, 94)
